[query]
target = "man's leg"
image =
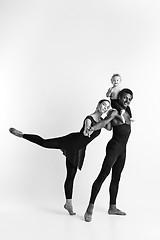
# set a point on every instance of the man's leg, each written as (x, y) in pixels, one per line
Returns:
(109, 160)
(116, 174)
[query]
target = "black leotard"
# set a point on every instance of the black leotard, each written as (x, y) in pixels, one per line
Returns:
(121, 133)
(72, 145)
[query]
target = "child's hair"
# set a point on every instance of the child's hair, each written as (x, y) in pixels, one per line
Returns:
(115, 75)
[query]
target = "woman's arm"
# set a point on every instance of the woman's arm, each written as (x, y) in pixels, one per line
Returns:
(87, 126)
(111, 114)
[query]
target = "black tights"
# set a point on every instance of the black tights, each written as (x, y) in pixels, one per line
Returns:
(47, 143)
(115, 160)
(68, 185)
(55, 143)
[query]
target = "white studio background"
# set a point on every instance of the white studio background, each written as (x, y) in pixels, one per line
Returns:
(57, 58)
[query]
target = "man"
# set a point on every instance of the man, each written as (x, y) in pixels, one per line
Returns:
(115, 155)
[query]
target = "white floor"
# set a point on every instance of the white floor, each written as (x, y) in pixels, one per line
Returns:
(52, 222)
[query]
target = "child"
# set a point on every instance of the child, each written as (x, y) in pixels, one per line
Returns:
(112, 93)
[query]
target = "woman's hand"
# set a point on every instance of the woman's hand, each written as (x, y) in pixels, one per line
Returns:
(88, 132)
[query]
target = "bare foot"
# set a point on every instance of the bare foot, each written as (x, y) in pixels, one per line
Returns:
(16, 132)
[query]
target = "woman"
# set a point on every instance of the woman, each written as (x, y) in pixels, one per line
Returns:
(73, 145)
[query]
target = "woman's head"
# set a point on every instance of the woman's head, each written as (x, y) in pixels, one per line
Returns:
(103, 106)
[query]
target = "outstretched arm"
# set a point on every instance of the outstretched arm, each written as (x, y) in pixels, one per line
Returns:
(106, 122)
(87, 126)
(111, 115)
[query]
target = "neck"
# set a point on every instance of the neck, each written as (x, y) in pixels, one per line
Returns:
(121, 105)
(97, 115)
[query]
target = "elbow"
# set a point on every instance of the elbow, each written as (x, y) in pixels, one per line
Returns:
(109, 129)
(84, 133)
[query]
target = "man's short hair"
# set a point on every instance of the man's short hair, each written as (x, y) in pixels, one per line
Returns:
(125, 90)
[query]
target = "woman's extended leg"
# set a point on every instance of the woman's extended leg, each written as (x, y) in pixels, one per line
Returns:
(68, 186)
(54, 143)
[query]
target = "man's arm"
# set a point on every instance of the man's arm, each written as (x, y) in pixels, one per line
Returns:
(109, 126)
(106, 122)
(111, 114)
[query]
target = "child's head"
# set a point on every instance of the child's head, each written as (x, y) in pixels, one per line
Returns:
(116, 79)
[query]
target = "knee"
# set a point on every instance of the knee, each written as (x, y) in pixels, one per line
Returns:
(101, 177)
(115, 179)
(105, 171)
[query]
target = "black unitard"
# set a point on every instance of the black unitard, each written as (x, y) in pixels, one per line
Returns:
(73, 147)
(115, 160)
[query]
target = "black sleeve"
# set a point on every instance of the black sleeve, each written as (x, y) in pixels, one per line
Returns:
(129, 111)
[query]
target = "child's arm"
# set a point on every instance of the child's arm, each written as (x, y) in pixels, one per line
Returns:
(109, 92)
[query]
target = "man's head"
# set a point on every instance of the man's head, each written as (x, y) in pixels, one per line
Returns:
(125, 96)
